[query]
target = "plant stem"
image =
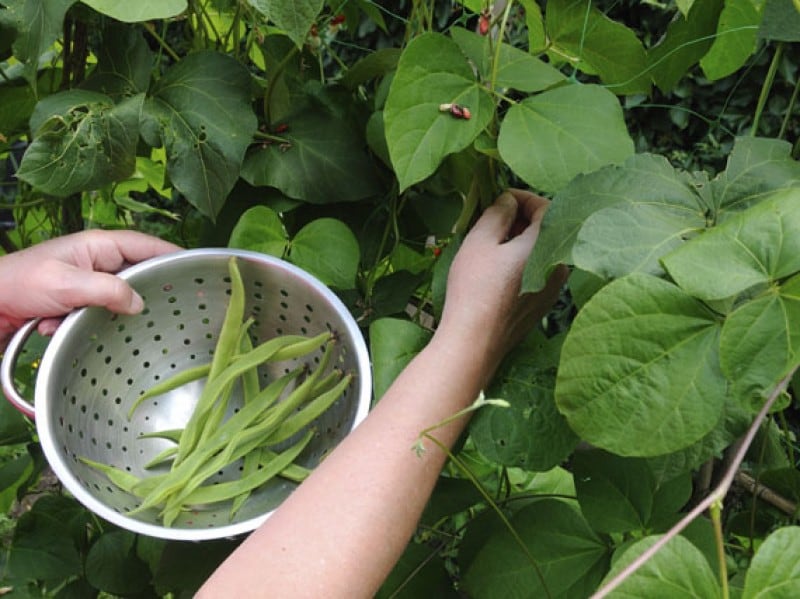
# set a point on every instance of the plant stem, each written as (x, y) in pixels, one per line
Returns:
(498, 46)
(717, 494)
(161, 42)
(766, 87)
(273, 79)
(474, 480)
(789, 110)
(716, 510)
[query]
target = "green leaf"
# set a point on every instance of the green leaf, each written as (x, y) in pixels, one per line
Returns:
(14, 473)
(139, 11)
(420, 572)
(735, 41)
(643, 179)
(327, 248)
(322, 161)
(537, 39)
(569, 554)
(38, 24)
(516, 69)
(618, 494)
(112, 564)
(45, 541)
(633, 237)
(756, 167)
(260, 229)
(598, 45)
(774, 572)
(124, 63)
(751, 248)
(431, 71)
(393, 344)
(679, 566)
(200, 112)
(639, 372)
(530, 433)
(760, 341)
(295, 17)
(781, 21)
(83, 141)
(550, 138)
(687, 40)
(376, 64)
(14, 427)
(732, 424)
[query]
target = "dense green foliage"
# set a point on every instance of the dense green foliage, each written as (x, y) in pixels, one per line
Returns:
(321, 131)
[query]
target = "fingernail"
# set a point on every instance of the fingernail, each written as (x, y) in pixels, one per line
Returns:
(137, 303)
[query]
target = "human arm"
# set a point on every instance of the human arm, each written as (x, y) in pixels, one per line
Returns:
(341, 532)
(49, 279)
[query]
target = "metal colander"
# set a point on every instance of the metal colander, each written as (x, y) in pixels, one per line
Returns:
(98, 363)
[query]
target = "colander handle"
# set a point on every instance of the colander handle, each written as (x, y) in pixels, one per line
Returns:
(9, 364)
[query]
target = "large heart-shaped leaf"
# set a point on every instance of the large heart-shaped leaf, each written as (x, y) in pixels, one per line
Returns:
(550, 138)
(112, 564)
(327, 248)
(322, 161)
(570, 556)
(516, 69)
(431, 71)
(124, 63)
(393, 344)
(260, 229)
(38, 25)
(598, 45)
(678, 566)
(644, 179)
(200, 111)
(756, 167)
(83, 142)
(619, 494)
(639, 372)
(751, 248)
(686, 41)
(760, 340)
(775, 569)
(530, 433)
(139, 11)
(295, 17)
(735, 42)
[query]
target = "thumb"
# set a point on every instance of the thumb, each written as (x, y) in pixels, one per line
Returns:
(91, 288)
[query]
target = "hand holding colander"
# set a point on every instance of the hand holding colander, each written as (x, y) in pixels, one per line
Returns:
(98, 363)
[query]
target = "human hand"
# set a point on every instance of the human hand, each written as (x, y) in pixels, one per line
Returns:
(484, 310)
(50, 279)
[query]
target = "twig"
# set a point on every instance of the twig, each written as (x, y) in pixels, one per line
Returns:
(762, 491)
(717, 495)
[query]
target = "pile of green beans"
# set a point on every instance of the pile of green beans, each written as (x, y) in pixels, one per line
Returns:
(268, 417)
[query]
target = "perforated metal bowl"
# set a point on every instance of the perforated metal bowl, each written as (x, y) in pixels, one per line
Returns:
(98, 363)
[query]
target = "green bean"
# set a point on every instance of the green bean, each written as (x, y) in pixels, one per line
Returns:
(173, 434)
(165, 456)
(262, 353)
(245, 442)
(130, 483)
(228, 490)
(313, 410)
(226, 434)
(187, 375)
(228, 340)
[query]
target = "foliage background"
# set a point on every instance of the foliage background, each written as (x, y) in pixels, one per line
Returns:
(665, 133)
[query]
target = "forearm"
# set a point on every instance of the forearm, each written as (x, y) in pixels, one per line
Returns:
(343, 530)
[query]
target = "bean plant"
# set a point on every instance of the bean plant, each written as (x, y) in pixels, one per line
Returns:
(641, 441)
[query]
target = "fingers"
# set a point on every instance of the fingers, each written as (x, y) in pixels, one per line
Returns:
(88, 288)
(496, 221)
(111, 250)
